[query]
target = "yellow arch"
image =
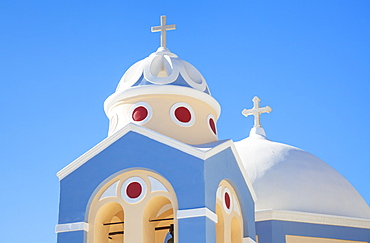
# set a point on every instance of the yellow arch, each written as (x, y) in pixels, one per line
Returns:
(229, 227)
(132, 217)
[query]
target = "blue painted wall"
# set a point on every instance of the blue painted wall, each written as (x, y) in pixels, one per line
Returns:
(274, 231)
(183, 171)
(199, 229)
(223, 166)
(195, 182)
(72, 237)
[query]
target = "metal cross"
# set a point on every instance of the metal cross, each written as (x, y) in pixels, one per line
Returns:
(163, 28)
(256, 111)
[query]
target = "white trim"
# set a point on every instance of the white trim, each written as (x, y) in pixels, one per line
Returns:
(244, 172)
(231, 196)
(156, 185)
(128, 182)
(131, 76)
(146, 106)
(248, 240)
(177, 121)
(219, 193)
(162, 90)
(197, 212)
(209, 117)
(200, 153)
(185, 69)
(154, 61)
(120, 133)
(111, 191)
(113, 121)
(312, 218)
(60, 228)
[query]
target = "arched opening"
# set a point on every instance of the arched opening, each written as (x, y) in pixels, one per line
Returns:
(229, 227)
(109, 225)
(135, 206)
(158, 220)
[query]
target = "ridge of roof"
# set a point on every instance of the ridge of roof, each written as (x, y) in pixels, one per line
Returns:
(201, 151)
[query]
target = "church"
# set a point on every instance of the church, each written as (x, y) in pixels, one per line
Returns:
(162, 175)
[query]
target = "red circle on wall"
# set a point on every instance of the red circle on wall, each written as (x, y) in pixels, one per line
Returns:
(134, 190)
(212, 124)
(140, 113)
(227, 200)
(183, 114)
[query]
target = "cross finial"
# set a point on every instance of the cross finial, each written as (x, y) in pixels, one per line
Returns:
(256, 111)
(163, 28)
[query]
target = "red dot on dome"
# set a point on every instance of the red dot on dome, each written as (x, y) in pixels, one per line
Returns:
(183, 114)
(140, 113)
(212, 125)
(227, 200)
(134, 190)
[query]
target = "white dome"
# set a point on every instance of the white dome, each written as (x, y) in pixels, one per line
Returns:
(288, 178)
(163, 73)
(163, 68)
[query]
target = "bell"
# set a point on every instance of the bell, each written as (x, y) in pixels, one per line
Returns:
(171, 240)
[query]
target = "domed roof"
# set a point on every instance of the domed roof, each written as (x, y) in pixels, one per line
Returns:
(163, 68)
(162, 72)
(288, 178)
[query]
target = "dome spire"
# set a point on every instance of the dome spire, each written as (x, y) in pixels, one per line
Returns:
(256, 111)
(163, 28)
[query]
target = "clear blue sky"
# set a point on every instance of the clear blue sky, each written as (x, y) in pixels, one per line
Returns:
(59, 61)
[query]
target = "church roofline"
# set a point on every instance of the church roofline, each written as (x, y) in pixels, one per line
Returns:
(312, 218)
(202, 151)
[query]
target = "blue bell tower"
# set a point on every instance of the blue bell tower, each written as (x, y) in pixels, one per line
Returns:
(161, 175)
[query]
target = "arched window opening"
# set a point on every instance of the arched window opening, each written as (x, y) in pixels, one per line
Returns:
(109, 225)
(136, 206)
(229, 227)
(159, 220)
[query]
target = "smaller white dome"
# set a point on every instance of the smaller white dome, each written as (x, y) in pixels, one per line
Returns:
(162, 68)
(288, 178)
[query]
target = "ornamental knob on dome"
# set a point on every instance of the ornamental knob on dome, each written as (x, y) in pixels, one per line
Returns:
(167, 95)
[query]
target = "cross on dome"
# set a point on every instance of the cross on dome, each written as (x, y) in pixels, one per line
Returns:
(256, 111)
(163, 28)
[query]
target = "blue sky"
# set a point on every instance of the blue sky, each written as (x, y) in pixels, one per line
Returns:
(59, 61)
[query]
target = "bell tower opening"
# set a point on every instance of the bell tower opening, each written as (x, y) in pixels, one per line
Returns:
(136, 206)
(158, 220)
(109, 224)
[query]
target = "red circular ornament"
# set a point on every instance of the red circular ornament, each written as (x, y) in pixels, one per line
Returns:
(212, 125)
(134, 190)
(140, 113)
(227, 200)
(183, 114)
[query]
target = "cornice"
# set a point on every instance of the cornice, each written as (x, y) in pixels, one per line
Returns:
(312, 218)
